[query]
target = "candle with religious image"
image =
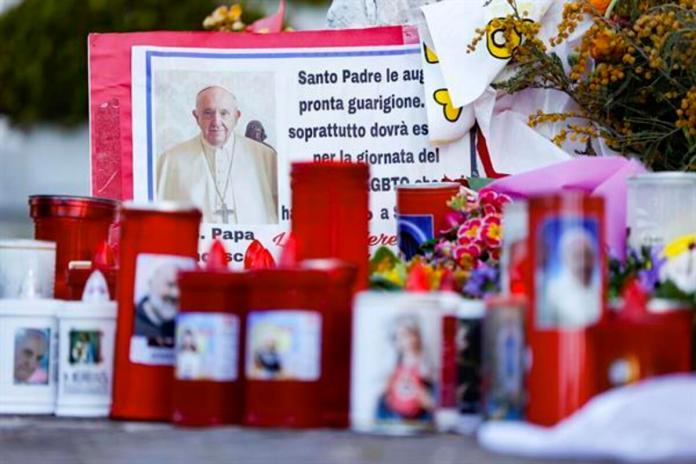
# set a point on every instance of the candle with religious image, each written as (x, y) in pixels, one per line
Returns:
(87, 330)
(422, 210)
(642, 338)
(286, 335)
(157, 241)
(566, 285)
(28, 353)
(504, 358)
(208, 379)
(78, 225)
(397, 362)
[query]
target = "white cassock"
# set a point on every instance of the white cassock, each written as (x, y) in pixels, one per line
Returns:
(239, 177)
(572, 304)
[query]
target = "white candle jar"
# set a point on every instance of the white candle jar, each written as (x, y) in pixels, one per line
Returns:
(660, 208)
(86, 358)
(27, 268)
(397, 360)
(28, 353)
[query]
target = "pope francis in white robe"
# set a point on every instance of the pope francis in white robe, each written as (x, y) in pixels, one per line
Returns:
(231, 178)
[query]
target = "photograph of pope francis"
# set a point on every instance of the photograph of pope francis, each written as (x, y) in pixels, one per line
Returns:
(225, 170)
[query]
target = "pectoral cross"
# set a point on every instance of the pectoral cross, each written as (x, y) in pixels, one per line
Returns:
(225, 212)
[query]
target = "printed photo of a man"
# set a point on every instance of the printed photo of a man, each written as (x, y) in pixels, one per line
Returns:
(31, 356)
(155, 312)
(230, 176)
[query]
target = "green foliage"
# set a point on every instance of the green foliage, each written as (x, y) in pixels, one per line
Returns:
(43, 49)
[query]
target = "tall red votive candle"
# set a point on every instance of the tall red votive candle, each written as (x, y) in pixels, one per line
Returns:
(286, 332)
(330, 213)
(157, 241)
(78, 225)
(566, 285)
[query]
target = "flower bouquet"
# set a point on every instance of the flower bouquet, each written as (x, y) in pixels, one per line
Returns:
(631, 75)
(465, 257)
(667, 273)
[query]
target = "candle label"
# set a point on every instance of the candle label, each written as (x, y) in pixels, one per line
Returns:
(568, 275)
(156, 300)
(28, 357)
(207, 346)
(283, 345)
(84, 370)
(32, 354)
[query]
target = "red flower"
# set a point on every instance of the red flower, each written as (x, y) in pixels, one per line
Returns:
(493, 202)
(469, 230)
(491, 232)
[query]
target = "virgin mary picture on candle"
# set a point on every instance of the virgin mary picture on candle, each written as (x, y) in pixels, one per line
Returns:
(409, 390)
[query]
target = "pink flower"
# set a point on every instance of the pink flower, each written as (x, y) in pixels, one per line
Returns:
(443, 248)
(491, 232)
(467, 247)
(469, 230)
(453, 219)
(493, 202)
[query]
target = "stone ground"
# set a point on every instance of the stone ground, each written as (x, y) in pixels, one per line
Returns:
(56, 441)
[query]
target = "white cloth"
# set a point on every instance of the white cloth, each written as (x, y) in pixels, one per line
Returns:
(653, 421)
(446, 123)
(191, 171)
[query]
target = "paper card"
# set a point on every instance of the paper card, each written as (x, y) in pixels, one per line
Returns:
(349, 95)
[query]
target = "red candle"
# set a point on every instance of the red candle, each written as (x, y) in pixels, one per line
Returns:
(157, 241)
(330, 213)
(286, 334)
(566, 285)
(633, 343)
(422, 211)
(336, 351)
(78, 225)
(208, 386)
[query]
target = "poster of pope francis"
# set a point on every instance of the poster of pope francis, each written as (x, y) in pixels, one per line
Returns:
(227, 171)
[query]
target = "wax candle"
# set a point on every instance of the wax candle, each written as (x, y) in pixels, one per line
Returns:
(655, 206)
(157, 241)
(566, 279)
(28, 353)
(86, 355)
(330, 213)
(422, 210)
(397, 360)
(77, 224)
(503, 359)
(286, 333)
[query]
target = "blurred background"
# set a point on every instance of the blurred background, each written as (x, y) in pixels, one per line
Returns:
(44, 138)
